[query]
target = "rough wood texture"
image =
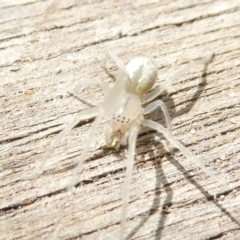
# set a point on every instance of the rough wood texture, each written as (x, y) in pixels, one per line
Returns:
(47, 49)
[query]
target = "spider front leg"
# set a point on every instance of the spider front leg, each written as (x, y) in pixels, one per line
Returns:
(152, 95)
(83, 115)
(103, 63)
(187, 153)
(133, 132)
(117, 60)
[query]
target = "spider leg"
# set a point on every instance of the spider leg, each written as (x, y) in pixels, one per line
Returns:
(103, 63)
(101, 82)
(83, 115)
(152, 106)
(104, 86)
(111, 102)
(86, 147)
(117, 60)
(133, 132)
(152, 95)
(106, 111)
(187, 153)
(125, 138)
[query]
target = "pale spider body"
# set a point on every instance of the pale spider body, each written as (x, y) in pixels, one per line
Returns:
(122, 107)
(141, 76)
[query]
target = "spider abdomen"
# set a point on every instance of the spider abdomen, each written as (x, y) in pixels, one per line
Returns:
(142, 74)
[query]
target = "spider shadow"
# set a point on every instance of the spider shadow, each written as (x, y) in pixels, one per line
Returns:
(160, 180)
(163, 184)
(191, 101)
(161, 177)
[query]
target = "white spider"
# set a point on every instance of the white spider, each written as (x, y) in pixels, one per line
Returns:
(122, 108)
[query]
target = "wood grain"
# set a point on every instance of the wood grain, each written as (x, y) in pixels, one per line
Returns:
(47, 49)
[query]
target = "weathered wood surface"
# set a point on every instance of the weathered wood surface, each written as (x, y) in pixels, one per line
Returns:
(47, 48)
